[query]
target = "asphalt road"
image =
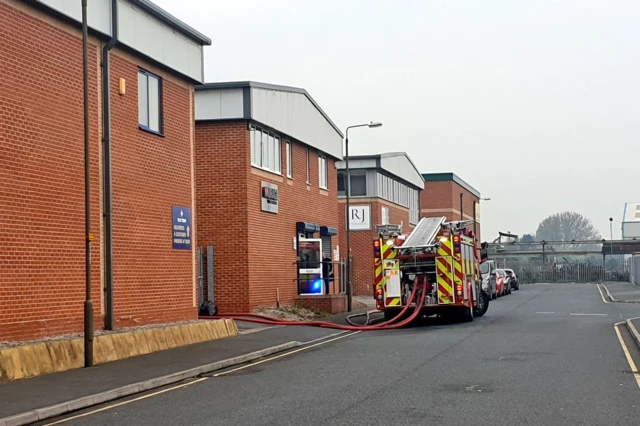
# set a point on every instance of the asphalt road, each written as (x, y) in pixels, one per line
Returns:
(545, 355)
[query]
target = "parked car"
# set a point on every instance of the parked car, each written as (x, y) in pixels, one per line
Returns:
(488, 273)
(515, 285)
(503, 282)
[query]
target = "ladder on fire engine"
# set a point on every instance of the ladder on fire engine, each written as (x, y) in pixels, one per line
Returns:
(421, 240)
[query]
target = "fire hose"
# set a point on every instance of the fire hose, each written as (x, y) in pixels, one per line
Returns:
(386, 325)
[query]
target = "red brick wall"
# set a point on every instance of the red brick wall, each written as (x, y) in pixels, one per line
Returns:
(42, 278)
(271, 252)
(42, 269)
(362, 241)
(255, 257)
(443, 199)
(222, 167)
(151, 173)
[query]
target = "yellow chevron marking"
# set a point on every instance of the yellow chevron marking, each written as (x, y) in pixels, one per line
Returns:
(395, 302)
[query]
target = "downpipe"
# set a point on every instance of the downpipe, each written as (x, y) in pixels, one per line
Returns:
(386, 325)
(106, 165)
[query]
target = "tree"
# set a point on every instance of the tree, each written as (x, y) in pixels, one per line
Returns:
(566, 226)
(528, 238)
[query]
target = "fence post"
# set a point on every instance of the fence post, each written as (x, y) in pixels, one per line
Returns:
(210, 276)
(200, 276)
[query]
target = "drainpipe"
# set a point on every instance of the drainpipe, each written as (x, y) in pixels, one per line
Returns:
(106, 165)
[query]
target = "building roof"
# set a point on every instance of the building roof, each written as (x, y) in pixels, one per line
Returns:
(290, 89)
(172, 21)
(398, 164)
(631, 212)
(288, 110)
(447, 177)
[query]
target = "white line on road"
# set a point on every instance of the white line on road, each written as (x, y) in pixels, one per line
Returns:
(602, 294)
(285, 354)
(588, 315)
(545, 312)
(632, 364)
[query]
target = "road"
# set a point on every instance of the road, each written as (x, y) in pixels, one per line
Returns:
(545, 355)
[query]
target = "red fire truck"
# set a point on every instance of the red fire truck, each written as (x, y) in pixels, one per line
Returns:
(437, 253)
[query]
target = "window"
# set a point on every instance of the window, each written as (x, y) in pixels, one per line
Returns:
(385, 215)
(323, 172)
(308, 171)
(265, 150)
(149, 101)
(414, 206)
(342, 187)
(358, 184)
(289, 160)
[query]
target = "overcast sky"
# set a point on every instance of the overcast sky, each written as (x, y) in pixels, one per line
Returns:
(534, 103)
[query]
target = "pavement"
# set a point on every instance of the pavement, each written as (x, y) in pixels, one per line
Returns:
(544, 355)
(622, 292)
(22, 396)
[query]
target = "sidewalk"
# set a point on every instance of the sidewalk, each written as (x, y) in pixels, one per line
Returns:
(622, 292)
(25, 395)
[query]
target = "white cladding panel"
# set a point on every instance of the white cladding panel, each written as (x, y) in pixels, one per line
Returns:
(357, 164)
(219, 104)
(631, 230)
(98, 12)
(399, 165)
(144, 33)
(295, 115)
(631, 212)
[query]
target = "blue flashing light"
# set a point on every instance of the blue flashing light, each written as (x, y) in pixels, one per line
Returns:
(316, 286)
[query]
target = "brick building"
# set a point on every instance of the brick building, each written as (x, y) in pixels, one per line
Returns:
(150, 62)
(265, 179)
(446, 194)
(385, 189)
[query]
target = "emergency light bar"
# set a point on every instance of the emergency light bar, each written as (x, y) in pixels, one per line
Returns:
(389, 230)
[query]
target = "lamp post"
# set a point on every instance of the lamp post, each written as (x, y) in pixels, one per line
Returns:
(88, 303)
(348, 212)
(611, 233)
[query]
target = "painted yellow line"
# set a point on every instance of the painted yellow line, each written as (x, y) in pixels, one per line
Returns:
(140, 398)
(602, 295)
(285, 354)
(625, 349)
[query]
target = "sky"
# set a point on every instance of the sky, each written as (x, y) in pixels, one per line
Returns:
(533, 103)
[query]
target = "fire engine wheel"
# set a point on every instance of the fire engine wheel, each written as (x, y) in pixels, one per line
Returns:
(483, 304)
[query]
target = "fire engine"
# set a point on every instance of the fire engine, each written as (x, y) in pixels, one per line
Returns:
(439, 254)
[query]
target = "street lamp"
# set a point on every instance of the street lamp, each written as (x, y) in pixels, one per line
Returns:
(611, 233)
(371, 125)
(88, 303)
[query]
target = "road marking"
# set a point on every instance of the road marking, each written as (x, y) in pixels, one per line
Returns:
(285, 354)
(140, 398)
(588, 315)
(632, 364)
(602, 294)
(126, 402)
(545, 312)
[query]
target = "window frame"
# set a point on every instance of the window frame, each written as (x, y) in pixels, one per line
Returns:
(147, 128)
(323, 167)
(308, 169)
(267, 149)
(289, 158)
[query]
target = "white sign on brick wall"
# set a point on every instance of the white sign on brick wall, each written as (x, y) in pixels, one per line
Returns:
(359, 217)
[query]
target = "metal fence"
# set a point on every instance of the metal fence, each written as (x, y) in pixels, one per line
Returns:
(534, 270)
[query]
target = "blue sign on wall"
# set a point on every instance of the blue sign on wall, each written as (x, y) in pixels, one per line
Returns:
(181, 229)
